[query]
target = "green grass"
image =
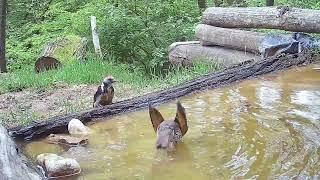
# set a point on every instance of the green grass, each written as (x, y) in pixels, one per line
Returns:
(93, 71)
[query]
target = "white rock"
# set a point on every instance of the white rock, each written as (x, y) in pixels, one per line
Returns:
(75, 126)
(57, 166)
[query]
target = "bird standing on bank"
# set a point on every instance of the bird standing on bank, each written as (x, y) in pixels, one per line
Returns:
(104, 93)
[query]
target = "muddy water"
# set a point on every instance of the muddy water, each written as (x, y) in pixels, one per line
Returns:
(262, 128)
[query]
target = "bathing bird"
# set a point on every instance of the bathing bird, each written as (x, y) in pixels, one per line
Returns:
(169, 132)
(104, 93)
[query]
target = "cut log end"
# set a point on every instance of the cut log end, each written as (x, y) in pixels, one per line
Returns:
(46, 63)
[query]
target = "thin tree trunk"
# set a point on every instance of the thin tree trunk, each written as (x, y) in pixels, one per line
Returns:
(3, 13)
(269, 2)
(202, 4)
(95, 36)
(217, 3)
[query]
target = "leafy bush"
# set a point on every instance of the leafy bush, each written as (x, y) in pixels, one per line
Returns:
(140, 32)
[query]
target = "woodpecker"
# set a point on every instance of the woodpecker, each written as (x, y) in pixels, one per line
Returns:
(104, 93)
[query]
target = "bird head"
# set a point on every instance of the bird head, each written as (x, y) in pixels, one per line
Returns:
(108, 80)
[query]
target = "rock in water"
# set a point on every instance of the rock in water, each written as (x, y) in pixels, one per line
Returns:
(75, 126)
(57, 167)
(67, 140)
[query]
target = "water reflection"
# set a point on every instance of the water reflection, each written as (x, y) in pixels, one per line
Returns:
(266, 128)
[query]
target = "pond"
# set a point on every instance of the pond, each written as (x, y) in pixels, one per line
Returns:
(267, 127)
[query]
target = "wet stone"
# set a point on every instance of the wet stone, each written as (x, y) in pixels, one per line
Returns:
(66, 140)
(58, 167)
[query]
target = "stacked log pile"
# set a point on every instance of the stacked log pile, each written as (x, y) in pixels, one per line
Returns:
(220, 42)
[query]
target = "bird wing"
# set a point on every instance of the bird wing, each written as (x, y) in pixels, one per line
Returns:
(181, 118)
(156, 117)
(97, 94)
(110, 94)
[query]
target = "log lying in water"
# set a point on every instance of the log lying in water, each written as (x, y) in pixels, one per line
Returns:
(188, 53)
(229, 75)
(291, 19)
(231, 38)
(13, 164)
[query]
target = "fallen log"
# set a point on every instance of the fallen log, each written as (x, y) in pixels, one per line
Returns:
(247, 41)
(188, 53)
(13, 164)
(283, 17)
(59, 52)
(229, 75)
(258, 43)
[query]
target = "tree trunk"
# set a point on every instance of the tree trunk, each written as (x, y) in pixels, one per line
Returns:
(13, 164)
(232, 38)
(95, 36)
(291, 19)
(217, 3)
(202, 4)
(269, 2)
(3, 14)
(236, 73)
(188, 53)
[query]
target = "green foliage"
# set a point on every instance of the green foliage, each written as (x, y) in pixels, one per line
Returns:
(139, 32)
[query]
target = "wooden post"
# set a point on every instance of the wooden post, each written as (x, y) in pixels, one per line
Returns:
(95, 36)
(3, 13)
